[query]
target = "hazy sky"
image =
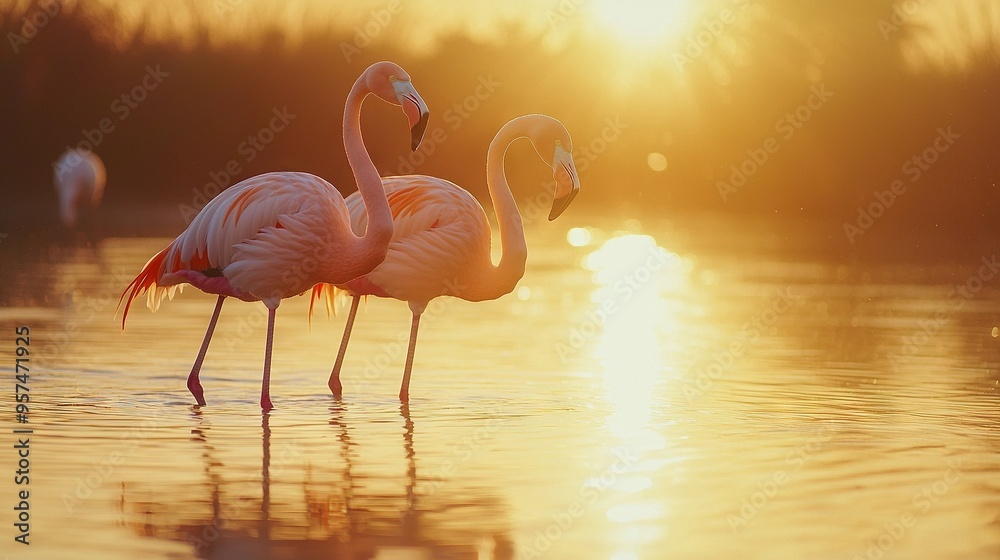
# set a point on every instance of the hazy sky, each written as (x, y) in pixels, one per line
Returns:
(939, 33)
(701, 87)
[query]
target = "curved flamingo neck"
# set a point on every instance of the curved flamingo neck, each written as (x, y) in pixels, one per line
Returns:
(501, 279)
(371, 247)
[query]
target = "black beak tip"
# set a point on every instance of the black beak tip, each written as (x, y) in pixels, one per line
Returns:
(559, 205)
(417, 132)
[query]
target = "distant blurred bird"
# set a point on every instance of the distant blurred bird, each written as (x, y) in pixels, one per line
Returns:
(276, 235)
(441, 237)
(79, 183)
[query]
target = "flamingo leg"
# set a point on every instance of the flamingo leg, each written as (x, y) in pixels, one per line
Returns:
(335, 386)
(193, 383)
(404, 389)
(265, 383)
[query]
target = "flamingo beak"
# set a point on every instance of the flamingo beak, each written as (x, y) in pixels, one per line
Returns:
(567, 182)
(415, 110)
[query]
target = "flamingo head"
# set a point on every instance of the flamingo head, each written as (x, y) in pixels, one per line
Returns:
(553, 143)
(392, 84)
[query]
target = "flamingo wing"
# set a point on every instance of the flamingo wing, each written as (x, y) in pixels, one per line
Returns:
(283, 260)
(274, 212)
(439, 233)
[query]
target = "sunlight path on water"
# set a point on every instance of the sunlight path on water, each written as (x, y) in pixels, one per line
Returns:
(637, 398)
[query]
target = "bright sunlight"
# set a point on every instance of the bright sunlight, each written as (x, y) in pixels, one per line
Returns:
(644, 23)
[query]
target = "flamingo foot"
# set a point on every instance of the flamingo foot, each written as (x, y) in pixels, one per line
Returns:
(404, 397)
(194, 386)
(265, 404)
(336, 388)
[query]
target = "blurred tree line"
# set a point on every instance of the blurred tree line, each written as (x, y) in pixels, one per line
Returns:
(709, 108)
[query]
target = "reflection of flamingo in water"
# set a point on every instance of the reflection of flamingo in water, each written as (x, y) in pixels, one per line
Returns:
(441, 241)
(412, 529)
(258, 240)
(79, 181)
(350, 516)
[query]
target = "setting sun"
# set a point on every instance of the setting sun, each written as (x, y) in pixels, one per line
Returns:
(603, 279)
(644, 22)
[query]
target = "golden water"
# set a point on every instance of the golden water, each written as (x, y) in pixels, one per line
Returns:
(631, 400)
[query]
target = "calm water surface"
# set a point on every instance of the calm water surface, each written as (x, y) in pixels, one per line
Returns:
(633, 399)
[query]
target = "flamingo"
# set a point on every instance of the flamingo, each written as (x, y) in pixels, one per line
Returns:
(275, 235)
(79, 182)
(441, 238)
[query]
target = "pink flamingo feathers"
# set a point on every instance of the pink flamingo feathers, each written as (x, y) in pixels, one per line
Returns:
(255, 239)
(441, 238)
(79, 181)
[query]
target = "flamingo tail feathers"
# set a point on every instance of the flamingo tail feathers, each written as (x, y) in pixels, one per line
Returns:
(145, 283)
(328, 294)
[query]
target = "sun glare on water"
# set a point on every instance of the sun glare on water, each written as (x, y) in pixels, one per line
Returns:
(644, 23)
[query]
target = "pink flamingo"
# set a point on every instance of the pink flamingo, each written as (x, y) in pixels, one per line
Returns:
(275, 235)
(441, 237)
(79, 181)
